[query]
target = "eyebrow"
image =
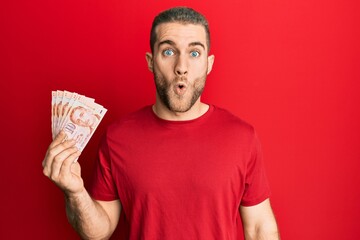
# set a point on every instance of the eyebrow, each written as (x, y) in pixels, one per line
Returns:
(197, 44)
(172, 43)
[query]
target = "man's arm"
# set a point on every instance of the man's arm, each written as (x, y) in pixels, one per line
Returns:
(259, 222)
(91, 219)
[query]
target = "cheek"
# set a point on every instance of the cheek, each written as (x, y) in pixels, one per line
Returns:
(164, 70)
(198, 69)
(164, 64)
(89, 117)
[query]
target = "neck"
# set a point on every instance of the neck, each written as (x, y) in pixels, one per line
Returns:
(197, 110)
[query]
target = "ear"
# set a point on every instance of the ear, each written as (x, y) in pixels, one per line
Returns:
(211, 59)
(149, 59)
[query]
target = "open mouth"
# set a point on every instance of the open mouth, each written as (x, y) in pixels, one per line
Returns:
(180, 88)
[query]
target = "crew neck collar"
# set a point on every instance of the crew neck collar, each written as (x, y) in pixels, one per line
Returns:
(183, 122)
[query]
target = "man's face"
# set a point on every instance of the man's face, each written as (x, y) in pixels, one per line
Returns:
(180, 64)
(82, 117)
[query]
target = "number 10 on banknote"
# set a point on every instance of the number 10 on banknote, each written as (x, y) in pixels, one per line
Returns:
(77, 115)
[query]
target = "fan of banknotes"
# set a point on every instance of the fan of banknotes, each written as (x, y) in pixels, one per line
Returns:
(77, 115)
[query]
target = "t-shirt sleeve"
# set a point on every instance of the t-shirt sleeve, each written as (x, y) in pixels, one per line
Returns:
(256, 184)
(103, 185)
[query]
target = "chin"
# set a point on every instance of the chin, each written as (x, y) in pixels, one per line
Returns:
(180, 107)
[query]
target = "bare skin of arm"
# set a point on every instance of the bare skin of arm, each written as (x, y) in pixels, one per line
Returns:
(90, 218)
(259, 222)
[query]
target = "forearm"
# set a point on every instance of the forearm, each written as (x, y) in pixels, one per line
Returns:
(87, 217)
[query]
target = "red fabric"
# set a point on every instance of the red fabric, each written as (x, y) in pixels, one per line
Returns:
(181, 180)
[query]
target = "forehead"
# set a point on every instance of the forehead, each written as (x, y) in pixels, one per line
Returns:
(180, 33)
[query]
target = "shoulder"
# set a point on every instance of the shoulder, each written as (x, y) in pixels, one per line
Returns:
(133, 120)
(227, 119)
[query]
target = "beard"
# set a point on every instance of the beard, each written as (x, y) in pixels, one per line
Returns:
(170, 92)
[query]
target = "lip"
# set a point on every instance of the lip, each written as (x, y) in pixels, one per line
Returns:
(180, 88)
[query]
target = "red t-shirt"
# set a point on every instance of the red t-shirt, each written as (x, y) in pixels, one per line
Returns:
(181, 179)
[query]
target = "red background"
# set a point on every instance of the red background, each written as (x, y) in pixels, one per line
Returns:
(291, 68)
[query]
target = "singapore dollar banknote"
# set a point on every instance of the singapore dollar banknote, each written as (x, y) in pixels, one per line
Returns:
(77, 115)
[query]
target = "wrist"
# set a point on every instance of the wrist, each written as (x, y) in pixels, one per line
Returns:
(71, 195)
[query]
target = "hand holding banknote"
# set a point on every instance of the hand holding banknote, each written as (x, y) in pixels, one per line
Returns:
(61, 167)
(74, 118)
(75, 114)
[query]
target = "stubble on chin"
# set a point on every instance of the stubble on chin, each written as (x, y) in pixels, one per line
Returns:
(175, 102)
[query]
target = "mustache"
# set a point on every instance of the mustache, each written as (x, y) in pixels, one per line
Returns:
(180, 79)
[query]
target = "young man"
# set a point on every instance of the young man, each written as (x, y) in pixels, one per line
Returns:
(180, 169)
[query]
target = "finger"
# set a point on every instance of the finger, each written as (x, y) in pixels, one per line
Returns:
(53, 152)
(61, 137)
(58, 162)
(70, 176)
(68, 164)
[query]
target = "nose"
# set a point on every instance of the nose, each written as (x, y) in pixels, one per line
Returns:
(181, 67)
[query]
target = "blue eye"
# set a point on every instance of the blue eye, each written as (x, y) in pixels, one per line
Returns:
(168, 52)
(195, 54)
